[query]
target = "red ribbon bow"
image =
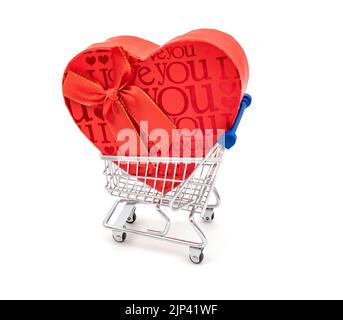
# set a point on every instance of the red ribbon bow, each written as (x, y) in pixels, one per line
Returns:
(124, 105)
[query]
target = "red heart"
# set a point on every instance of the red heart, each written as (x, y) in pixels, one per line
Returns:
(103, 59)
(90, 60)
(197, 79)
(110, 150)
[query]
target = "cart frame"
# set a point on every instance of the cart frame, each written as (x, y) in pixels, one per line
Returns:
(190, 194)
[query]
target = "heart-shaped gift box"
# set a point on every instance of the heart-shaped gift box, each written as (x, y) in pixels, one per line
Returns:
(124, 90)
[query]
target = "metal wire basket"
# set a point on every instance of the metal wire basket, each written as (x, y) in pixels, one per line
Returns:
(191, 193)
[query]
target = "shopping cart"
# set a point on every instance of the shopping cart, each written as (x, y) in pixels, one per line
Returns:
(190, 194)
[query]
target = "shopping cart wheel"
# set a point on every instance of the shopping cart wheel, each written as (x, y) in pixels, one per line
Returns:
(119, 236)
(132, 217)
(196, 255)
(208, 215)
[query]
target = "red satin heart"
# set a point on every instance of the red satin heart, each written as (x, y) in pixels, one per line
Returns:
(197, 79)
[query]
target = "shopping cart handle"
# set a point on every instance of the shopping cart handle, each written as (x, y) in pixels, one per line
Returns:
(228, 139)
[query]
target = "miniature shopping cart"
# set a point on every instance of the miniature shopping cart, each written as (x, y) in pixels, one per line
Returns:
(190, 194)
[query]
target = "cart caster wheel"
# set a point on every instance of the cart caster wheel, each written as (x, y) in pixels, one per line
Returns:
(119, 237)
(132, 218)
(208, 215)
(196, 255)
(197, 260)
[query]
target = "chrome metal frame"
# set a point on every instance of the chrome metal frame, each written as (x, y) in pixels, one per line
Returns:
(124, 180)
(120, 225)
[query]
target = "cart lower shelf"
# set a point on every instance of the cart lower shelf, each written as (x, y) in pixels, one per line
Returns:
(127, 215)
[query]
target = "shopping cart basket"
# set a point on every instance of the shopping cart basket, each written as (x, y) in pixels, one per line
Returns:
(190, 194)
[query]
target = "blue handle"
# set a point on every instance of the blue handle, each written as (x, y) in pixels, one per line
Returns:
(228, 139)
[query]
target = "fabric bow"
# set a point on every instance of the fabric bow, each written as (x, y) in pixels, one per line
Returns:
(124, 105)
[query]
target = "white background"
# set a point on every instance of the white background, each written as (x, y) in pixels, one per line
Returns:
(278, 233)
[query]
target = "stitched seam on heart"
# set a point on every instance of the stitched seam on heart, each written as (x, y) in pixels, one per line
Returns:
(131, 115)
(93, 83)
(122, 106)
(79, 102)
(158, 108)
(125, 57)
